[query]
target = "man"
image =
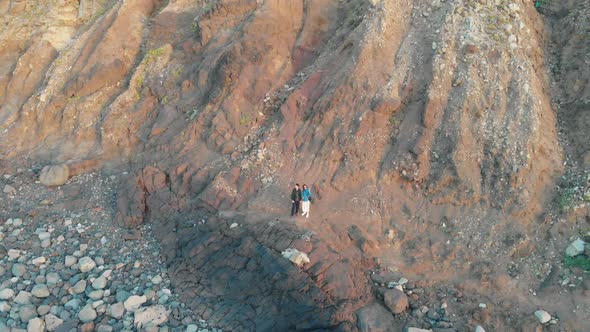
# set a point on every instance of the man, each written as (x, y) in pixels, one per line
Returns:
(295, 199)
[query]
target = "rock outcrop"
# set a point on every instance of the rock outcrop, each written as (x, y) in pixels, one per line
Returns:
(424, 128)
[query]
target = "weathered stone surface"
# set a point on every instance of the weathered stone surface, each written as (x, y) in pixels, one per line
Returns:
(255, 255)
(374, 318)
(131, 203)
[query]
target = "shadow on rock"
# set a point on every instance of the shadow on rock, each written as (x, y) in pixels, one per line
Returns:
(232, 273)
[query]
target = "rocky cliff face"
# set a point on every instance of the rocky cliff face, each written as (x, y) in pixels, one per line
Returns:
(425, 129)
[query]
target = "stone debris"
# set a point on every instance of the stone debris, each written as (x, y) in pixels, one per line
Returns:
(77, 273)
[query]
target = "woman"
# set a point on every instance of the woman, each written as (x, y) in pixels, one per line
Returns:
(305, 201)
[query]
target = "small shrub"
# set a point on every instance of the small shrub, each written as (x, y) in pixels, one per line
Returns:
(393, 120)
(208, 8)
(539, 3)
(195, 27)
(244, 119)
(153, 54)
(140, 81)
(176, 73)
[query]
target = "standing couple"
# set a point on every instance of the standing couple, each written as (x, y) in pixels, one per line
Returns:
(300, 197)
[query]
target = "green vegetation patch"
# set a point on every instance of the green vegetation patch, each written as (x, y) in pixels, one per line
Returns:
(580, 262)
(567, 198)
(154, 54)
(245, 119)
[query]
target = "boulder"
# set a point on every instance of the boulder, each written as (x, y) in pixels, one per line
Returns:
(4, 306)
(395, 300)
(52, 278)
(40, 291)
(86, 264)
(575, 248)
(6, 294)
(154, 315)
(36, 325)
(39, 261)
(70, 260)
(543, 316)
(116, 310)
(374, 318)
(99, 283)
(52, 322)
(96, 295)
(27, 312)
(55, 175)
(22, 298)
(87, 314)
(18, 270)
(297, 257)
(79, 287)
(134, 302)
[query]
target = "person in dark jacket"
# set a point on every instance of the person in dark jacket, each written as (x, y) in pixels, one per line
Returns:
(295, 199)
